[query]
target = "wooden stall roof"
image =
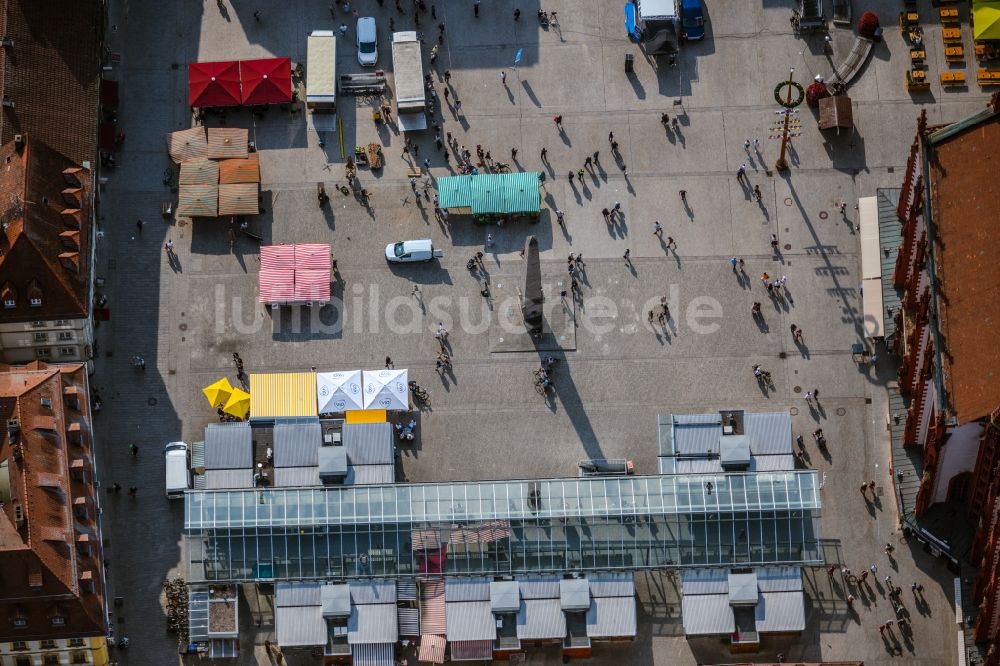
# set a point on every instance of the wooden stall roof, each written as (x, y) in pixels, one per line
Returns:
(187, 144)
(240, 170)
(238, 199)
(226, 142)
(836, 112)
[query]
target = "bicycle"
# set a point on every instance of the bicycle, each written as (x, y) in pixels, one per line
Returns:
(502, 167)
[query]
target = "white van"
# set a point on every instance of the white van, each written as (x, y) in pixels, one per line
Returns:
(178, 469)
(412, 250)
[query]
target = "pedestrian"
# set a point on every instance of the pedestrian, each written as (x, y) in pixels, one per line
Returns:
(427, 164)
(733, 261)
(845, 572)
(756, 145)
(746, 145)
(416, 290)
(850, 599)
(684, 196)
(627, 256)
(809, 397)
(830, 570)
(881, 629)
(864, 576)
(579, 174)
(617, 207)
(873, 568)
(614, 149)
(475, 8)
(657, 229)
(442, 331)
(764, 277)
(666, 310)
(458, 104)
(587, 163)
(558, 121)
(579, 260)
(871, 484)
(343, 29)
(597, 157)
(607, 214)
(756, 193)
(413, 184)
(919, 588)
(742, 265)
(139, 224)
(843, 208)
(388, 363)
(774, 242)
(133, 449)
(132, 491)
(169, 246)
(864, 488)
(560, 217)
(517, 14)
(873, 359)
(544, 153)
(611, 137)
(741, 173)
(433, 10)
(888, 582)
(447, 72)
(434, 53)
(503, 77)
(571, 176)
(888, 549)
(513, 154)
(489, 240)
(650, 316)
(479, 258)
(671, 243)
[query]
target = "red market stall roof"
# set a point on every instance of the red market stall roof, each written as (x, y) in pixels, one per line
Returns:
(214, 84)
(295, 273)
(266, 81)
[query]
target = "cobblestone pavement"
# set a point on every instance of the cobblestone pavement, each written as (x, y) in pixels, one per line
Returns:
(486, 420)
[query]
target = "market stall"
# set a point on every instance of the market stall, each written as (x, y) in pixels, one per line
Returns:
(266, 81)
(339, 391)
(492, 197)
(214, 84)
(386, 389)
(282, 395)
(295, 274)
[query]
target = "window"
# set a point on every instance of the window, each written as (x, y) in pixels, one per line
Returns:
(51, 660)
(47, 644)
(67, 351)
(38, 324)
(18, 646)
(59, 620)
(80, 658)
(76, 642)
(62, 322)
(41, 337)
(65, 335)
(22, 661)
(19, 621)
(9, 303)
(43, 353)
(36, 302)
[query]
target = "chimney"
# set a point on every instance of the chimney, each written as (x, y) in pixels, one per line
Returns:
(13, 429)
(7, 42)
(8, 102)
(18, 138)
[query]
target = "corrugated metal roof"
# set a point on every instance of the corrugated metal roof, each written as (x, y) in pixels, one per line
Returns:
(228, 446)
(611, 617)
(467, 589)
(297, 594)
(491, 193)
(665, 434)
(226, 142)
(539, 587)
(360, 475)
(769, 432)
(470, 621)
(612, 584)
(409, 621)
(297, 442)
(224, 479)
(198, 200)
(472, 650)
(406, 589)
(504, 596)
(697, 435)
(285, 477)
(239, 199)
(373, 623)
(779, 579)
(432, 613)
(539, 619)
(198, 455)
(776, 463)
(199, 172)
(279, 395)
(368, 443)
(373, 592)
(704, 581)
(240, 170)
(299, 626)
(696, 419)
(373, 654)
(707, 615)
(781, 611)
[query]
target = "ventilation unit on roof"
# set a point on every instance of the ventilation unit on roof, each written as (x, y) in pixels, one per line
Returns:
(13, 429)
(7, 42)
(9, 103)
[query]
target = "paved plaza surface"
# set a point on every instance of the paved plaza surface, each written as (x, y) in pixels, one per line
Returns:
(486, 419)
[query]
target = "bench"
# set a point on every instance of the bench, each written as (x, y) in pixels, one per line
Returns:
(908, 19)
(917, 56)
(855, 60)
(952, 79)
(988, 77)
(949, 15)
(414, 172)
(954, 54)
(952, 35)
(916, 79)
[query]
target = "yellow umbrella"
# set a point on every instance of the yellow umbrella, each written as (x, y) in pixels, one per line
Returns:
(238, 404)
(218, 392)
(986, 21)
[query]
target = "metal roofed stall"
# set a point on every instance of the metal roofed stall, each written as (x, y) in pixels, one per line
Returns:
(625, 523)
(488, 195)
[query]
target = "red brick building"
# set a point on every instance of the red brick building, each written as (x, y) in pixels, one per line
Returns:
(949, 277)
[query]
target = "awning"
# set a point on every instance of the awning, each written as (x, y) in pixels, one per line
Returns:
(661, 42)
(228, 142)
(365, 416)
(339, 391)
(540, 619)
(386, 389)
(266, 81)
(707, 615)
(611, 617)
(486, 194)
(239, 199)
(631, 27)
(300, 626)
(312, 272)
(409, 621)
(218, 392)
(432, 648)
(471, 650)
(470, 621)
(295, 273)
(277, 273)
(282, 395)
(836, 112)
(188, 144)
(411, 122)
(213, 84)
(432, 614)
(780, 612)
(373, 623)
(374, 654)
(985, 21)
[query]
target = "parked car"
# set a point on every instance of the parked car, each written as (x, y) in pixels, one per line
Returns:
(411, 250)
(367, 41)
(178, 469)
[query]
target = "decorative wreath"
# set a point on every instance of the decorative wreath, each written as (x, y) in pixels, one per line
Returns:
(795, 102)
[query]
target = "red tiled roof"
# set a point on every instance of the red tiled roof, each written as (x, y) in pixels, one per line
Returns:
(38, 259)
(41, 566)
(964, 193)
(52, 74)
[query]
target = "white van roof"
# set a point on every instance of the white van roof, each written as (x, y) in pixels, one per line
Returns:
(657, 8)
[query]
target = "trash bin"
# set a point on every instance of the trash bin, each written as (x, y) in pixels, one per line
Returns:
(629, 63)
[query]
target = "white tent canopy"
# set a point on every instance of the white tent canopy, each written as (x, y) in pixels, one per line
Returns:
(387, 389)
(339, 391)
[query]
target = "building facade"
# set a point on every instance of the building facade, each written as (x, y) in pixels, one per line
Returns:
(950, 286)
(52, 595)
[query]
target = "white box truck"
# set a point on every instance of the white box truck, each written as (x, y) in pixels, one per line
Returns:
(408, 76)
(321, 72)
(178, 469)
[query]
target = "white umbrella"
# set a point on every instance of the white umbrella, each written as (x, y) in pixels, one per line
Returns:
(387, 389)
(338, 391)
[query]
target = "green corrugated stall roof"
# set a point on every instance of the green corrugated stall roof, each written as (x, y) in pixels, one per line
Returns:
(491, 193)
